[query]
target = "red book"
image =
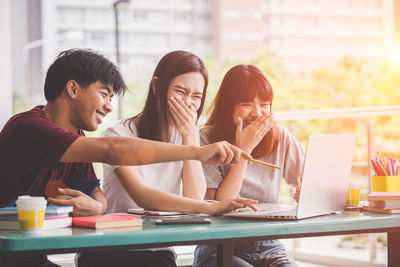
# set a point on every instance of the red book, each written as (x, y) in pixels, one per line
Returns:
(107, 221)
(384, 196)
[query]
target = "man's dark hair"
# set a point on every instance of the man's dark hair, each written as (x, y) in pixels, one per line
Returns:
(85, 66)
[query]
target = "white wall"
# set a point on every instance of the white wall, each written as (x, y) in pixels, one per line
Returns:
(6, 87)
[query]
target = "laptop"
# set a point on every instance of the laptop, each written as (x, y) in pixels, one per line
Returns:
(325, 180)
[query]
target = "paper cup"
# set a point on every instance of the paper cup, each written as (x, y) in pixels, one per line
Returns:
(31, 212)
(353, 197)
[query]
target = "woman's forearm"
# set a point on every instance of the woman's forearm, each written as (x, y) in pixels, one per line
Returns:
(193, 180)
(151, 198)
(232, 183)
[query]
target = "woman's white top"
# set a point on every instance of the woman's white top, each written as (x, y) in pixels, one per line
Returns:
(164, 176)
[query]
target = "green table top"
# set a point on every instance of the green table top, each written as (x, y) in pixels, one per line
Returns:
(221, 228)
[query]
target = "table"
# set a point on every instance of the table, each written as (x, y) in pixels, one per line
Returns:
(223, 232)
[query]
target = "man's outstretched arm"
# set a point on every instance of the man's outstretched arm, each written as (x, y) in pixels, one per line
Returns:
(137, 151)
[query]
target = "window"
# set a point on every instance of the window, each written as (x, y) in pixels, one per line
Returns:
(204, 26)
(183, 18)
(71, 14)
(139, 16)
(181, 39)
(158, 40)
(141, 61)
(140, 39)
(123, 16)
(99, 15)
(158, 17)
(276, 21)
(204, 6)
(99, 37)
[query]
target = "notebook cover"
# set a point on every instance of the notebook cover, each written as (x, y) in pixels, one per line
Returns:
(107, 221)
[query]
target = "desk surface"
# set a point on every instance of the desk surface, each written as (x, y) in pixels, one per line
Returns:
(220, 229)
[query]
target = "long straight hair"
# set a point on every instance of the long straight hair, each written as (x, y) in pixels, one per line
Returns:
(242, 83)
(153, 120)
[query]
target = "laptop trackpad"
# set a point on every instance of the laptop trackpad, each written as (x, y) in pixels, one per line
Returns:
(269, 208)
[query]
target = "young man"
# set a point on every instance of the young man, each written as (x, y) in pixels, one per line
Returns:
(47, 143)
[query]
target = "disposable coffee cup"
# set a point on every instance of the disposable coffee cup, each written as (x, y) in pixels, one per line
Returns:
(31, 212)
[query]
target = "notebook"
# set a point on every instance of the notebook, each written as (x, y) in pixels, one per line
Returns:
(108, 221)
(325, 180)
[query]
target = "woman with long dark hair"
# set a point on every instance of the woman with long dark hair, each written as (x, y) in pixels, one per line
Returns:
(174, 102)
(242, 115)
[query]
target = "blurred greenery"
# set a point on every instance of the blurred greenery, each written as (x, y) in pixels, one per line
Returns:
(363, 239)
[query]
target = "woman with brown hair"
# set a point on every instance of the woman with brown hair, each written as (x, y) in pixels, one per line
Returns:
(242, 115)
(174, 102)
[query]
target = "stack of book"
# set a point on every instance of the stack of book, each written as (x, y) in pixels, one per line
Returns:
(383, 202)
(55, 217)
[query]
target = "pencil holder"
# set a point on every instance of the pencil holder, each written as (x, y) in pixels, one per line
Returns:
(386, 183)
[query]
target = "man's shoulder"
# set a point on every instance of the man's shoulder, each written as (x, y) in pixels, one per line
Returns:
(33, 126)
(35, 113)
(29, 118)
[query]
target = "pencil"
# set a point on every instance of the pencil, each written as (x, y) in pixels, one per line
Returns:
(261, 162)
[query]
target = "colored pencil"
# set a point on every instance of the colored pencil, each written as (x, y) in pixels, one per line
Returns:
(261, 162)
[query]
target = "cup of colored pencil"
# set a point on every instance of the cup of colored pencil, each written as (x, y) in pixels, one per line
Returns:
(384, 166)
(387, 174)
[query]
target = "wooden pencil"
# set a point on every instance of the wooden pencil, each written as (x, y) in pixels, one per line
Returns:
(261, 162)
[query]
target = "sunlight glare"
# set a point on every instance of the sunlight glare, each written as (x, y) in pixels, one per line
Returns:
(394, 55)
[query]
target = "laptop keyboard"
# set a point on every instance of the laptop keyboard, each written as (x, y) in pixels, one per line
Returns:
(282, 213)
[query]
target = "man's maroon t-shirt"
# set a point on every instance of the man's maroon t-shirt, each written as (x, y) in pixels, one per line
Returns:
(30, 148)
